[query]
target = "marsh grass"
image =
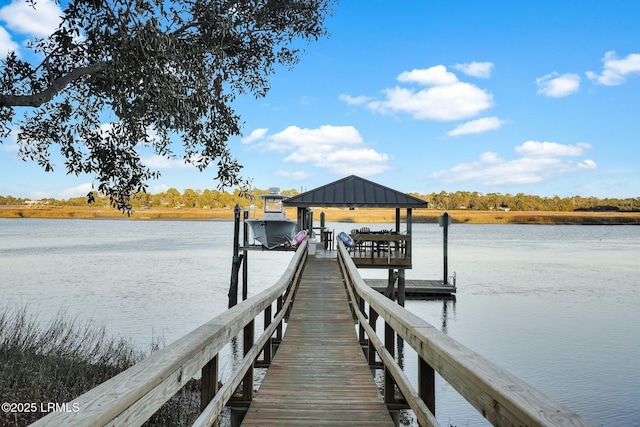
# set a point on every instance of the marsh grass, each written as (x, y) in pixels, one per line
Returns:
(56, 363)
(360, 215)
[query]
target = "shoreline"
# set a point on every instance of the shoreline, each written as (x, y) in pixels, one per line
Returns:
(345, 215)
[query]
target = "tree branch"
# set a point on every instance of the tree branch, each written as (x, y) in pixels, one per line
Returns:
(37, 99)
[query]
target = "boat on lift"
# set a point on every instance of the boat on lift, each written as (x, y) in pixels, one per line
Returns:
(273, 229)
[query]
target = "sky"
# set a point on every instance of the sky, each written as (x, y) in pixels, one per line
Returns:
(536, 97)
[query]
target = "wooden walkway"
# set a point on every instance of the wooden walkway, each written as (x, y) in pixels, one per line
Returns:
(319, 375)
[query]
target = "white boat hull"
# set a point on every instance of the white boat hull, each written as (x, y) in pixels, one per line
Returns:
(272, 233)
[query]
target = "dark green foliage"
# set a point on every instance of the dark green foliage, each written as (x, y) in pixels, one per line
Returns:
(161, 72)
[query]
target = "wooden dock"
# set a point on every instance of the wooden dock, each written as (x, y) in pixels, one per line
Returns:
(417, 288)
(319, 375)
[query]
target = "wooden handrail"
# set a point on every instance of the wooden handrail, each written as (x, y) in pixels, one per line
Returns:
(131, 397)
(499, 396)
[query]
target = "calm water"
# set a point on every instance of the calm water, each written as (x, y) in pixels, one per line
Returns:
(555, 305)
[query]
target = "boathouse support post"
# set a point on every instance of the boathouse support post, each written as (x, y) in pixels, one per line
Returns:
(409, 232)
(389, 292)
(245, 267)
(237, 258)
(310, 223)
(401, 287)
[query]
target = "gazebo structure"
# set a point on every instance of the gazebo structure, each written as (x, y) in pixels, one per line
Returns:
(373, 249)
(381, 249)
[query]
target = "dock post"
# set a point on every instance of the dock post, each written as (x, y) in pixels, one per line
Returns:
(245, 267)
(445, 220)
(237, 259)
(401, 285)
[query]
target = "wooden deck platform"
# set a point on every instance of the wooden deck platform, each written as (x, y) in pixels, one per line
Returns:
(319, 375)
(417, 288)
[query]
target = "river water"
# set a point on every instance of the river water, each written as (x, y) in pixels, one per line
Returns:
(556, 306)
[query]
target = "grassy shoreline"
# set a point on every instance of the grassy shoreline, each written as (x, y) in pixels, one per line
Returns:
(53, 364)
(335, 215)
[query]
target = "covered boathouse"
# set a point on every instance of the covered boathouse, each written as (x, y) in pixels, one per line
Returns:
(373, 248)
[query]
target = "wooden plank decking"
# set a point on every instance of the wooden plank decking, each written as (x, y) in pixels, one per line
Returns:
(416, 288)
(319, 375)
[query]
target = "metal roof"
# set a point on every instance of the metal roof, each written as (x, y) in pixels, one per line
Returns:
(354, 191)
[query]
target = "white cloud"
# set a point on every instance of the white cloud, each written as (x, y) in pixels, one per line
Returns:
(558, 86)
(354, 100)
(9, 148)
(587, 164)
(77, 191)
(476, 69)
(443, 103)
(328, 147)
(550, 149)
(6, 43)
(434, 76)
(540, 161)
(158, 162)
(9, 144)
(445, 98)
(324, 138)
(255, 135)
(477, 126)
(615, 71)
(40, 21)
(160, 188)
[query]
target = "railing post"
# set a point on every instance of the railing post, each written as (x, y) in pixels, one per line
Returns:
(361, 334)
(373, 318)
(427, 384)
(247, 382)
(279, 309)
(389, 384)
(267, 346)
(209, 382)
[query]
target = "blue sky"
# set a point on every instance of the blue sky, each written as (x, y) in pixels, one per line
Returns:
(536, 97)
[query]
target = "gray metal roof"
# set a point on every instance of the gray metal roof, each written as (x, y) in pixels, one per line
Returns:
(354, 191)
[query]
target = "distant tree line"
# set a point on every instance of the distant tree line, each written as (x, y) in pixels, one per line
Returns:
(525, 202)
(214, 199)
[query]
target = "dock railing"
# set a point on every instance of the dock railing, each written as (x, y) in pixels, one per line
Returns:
(499, 396)
(381, 249)
(131, 397)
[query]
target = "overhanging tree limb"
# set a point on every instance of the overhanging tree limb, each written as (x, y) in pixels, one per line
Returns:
(166, 71)
(40, 98)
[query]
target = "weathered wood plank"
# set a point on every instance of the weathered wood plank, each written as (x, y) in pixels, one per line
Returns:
(415, 287)
(319, 376)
